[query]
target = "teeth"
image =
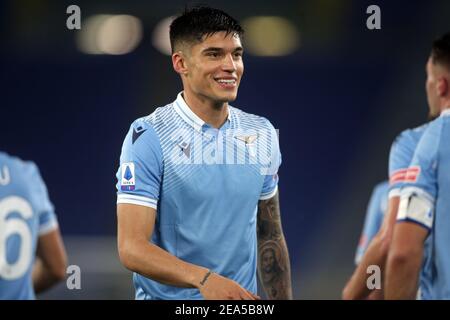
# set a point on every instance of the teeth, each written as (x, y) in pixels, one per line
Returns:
(230, 81)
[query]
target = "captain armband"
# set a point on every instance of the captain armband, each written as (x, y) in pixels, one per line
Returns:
(416, 205)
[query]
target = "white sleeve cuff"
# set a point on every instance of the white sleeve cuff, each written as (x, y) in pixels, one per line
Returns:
(48, 227)
(265, 196)
(358, 258)
(138, 200)
(394, 193)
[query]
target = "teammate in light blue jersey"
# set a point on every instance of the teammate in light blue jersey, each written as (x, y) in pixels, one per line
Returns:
(197, 185)
(400, 158)
(375, 251)
(28, 227)
(424, 208)
(374, 218)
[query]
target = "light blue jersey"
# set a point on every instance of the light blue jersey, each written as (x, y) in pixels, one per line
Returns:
(25, 213)
(205, 184)
(400, 157)
(428, 178)
(374, 218)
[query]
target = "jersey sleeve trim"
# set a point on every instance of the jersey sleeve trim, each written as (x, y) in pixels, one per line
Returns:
(48, 227)
(138, 200)
(268, 195)
(394, 193)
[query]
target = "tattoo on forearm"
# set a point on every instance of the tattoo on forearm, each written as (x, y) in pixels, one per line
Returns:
(269, 223)
(273, 259)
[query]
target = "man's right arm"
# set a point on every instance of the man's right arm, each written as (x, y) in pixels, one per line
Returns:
(400, 157)
(138, 254)
(51, 261)
(376, 254)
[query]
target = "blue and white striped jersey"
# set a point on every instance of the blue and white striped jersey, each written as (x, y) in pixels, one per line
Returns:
(205, 184)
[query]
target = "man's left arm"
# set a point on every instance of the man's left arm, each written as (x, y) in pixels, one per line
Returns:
(273, 257)
(415, 217)
(404, 261)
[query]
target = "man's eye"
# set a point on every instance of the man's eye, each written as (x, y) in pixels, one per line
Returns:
(213, 54)
(238, 54)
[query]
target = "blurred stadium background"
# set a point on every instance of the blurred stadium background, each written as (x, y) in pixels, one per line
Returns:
(338, 92)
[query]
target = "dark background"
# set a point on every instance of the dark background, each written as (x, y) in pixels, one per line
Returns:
(339, 101)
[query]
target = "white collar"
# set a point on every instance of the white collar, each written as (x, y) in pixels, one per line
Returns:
(188, 115)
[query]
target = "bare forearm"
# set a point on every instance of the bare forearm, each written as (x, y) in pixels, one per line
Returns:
(273, 257)
(377, 294)
(405, 260)
(276, 282)
(402, 278)
(153, 262)
(376, 255)
(357, 288)
(51, 261)
(135, 227)
(43, 278)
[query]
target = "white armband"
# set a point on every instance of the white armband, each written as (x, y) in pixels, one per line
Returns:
(416, 205)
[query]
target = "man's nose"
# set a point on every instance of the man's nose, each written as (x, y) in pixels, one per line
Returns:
(229, 63)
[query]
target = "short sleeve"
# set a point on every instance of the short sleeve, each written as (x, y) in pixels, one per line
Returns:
(270, 185)
(373, 220)
(400, 157)
(46, 213)
(420, 188)
(140, 171)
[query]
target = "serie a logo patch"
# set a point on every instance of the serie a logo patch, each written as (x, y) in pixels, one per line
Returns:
(128, 181)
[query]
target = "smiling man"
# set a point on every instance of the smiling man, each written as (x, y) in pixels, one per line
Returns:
(197, 187)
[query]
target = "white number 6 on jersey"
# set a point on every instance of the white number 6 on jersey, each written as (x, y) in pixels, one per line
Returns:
(16, 226)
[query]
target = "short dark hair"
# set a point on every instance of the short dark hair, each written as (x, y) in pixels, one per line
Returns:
(440, 52)
(200, 21)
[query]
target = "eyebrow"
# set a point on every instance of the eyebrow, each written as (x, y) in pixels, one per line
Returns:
(216, 49)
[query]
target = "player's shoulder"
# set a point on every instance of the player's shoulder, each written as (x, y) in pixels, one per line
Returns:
(411, 135)
(246, 119)
(148, 127)
(402, 150)
(24, 167)
(432, 135)
(156, 118)
(437, 124)
(7, 158)
(429, 144)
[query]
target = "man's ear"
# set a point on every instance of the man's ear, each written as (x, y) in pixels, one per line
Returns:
(442, 86)
(179, 63)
